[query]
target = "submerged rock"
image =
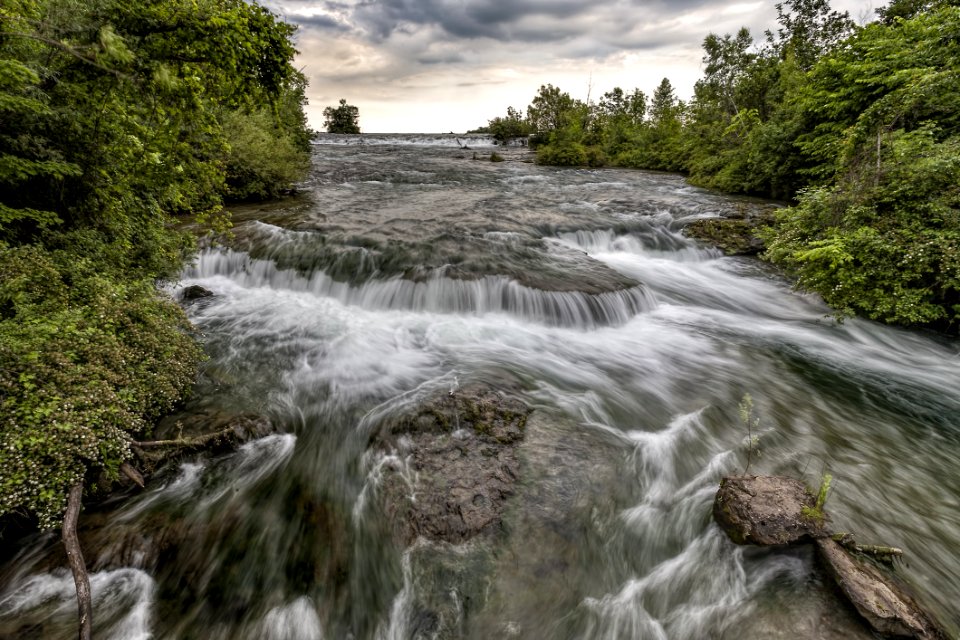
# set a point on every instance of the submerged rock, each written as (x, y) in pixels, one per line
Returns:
(766, 510)
(461, 450)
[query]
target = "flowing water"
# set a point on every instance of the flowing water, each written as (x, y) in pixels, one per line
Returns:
(408, 266)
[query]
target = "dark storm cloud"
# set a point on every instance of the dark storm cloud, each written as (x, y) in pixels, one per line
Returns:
(322, 22)
(612, 22)
(476, 19)
(450, 58)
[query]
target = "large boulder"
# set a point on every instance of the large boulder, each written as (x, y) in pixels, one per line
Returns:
(767, 510)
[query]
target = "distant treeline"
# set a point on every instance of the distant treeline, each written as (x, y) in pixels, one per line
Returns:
(859, 126)
(115, 117)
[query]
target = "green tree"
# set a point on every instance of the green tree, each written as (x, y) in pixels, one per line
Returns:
(115, 117)
(726, 61)
(881, 236)
(508, 128)
(550, 109)
(808, 30)
(344, 118)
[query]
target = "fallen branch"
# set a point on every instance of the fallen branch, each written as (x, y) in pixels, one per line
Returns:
(878, 551)
(75, 559)
(194, 442)
(131, 472)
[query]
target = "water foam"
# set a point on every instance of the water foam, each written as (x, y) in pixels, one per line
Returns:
(437, 294)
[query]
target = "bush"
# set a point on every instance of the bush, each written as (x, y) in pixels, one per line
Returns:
(86, 363)
(562, 154)
(885, 244)
(263, 160)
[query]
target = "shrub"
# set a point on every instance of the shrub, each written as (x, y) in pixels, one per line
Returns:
(562, 154)
(86, 362)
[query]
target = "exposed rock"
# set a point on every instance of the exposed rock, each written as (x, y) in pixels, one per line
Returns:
(883, 603)
(195, 292)
(766, 510)
(461, 450)
(735, 237)
(775, 510)
(736, 233)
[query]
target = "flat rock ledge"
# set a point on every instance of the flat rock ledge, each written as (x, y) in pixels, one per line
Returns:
(460, 465)
(777, 511)
(734, 234)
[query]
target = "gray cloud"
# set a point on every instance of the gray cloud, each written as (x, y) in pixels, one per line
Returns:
(322, 22)
(505, 21)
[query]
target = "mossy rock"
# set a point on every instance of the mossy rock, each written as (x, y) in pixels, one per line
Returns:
(733, 236)
(492, 414)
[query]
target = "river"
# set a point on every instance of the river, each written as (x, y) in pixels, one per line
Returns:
(408, 265)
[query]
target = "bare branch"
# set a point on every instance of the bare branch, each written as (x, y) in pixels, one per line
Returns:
(131, 472)
(75, 558)
(76, 53)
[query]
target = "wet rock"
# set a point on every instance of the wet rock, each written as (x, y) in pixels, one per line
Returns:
(766, 510)
(195, 292)
(883, 603)
(736, 233)
(461, 448)
(775, 510)
(733, 237)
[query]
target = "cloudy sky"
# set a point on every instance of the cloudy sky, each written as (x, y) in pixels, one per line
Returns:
(424, 66)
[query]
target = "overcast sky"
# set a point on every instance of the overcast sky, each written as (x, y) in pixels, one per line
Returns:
(426, 66)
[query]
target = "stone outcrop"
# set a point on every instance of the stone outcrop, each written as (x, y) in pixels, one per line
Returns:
(883, 603)
(461, 465)
(776, 511)
(735, 233)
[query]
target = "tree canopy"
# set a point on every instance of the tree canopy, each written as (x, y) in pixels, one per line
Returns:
(344, 118)
(116, 116)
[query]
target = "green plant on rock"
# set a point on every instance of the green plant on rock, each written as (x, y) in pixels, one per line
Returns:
(751, 422)
(816, 511)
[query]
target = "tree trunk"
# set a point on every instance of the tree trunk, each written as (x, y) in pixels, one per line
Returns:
(77, 565)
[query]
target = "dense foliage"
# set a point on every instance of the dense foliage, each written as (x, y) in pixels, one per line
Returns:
(857, 125)
(116, 116)
(344, 118)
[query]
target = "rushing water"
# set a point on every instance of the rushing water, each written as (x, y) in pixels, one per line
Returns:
(410, 265)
